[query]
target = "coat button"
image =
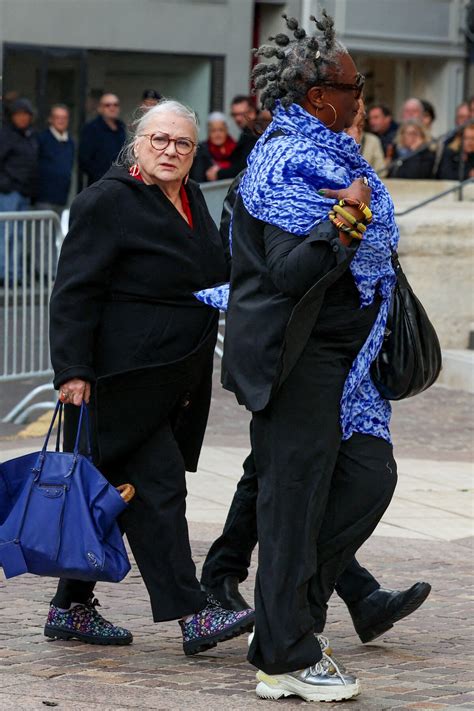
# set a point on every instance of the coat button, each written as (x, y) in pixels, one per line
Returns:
(335, 248)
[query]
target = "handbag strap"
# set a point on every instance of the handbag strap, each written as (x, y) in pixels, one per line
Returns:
(58, 434)
(83, 417)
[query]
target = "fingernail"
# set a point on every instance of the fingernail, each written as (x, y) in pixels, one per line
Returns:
(322, 192)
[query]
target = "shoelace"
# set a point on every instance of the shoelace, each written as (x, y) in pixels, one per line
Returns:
(327, 666)
(324, 643)
(212, 602)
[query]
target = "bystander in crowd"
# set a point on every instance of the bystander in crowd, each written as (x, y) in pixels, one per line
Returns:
(102, 139)
(216, 150)
(382, 124)
(245, 114)
(457, 161)
(414, 157)
(56, 161)
(150, 97)
(18, 179)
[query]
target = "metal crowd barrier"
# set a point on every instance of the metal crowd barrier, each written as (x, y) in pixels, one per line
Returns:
(29, 245)
(214, 194)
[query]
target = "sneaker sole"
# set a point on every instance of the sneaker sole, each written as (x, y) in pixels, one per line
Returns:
(202, 644)
(60, 633)
(274, 688)
(371, 633)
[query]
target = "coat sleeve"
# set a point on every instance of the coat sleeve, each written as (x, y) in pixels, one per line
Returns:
(296, 263)
(83, 278)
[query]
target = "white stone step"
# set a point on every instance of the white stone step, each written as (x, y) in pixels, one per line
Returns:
(458, 370)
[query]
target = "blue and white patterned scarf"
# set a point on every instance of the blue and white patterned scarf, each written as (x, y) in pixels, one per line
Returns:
(281, 187)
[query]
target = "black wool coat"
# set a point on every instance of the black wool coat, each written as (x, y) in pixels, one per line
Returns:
(123, 315)
(278, 285)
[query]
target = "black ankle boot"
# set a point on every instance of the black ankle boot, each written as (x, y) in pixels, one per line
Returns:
(227, 594)
(377, 613)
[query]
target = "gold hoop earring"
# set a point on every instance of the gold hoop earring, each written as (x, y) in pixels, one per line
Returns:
(330, 125)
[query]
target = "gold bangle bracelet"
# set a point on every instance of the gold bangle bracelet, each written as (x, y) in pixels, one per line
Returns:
(359, 226)
(346, 215)
(339, 225)
(365, 210)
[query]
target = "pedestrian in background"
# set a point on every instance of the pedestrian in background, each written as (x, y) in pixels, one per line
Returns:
(150, 97)
(414, 158)
(462, 114)
(413, 110)
(382, 124)
(18, 178)
(216, 150)
(244, 113)
(458, 163)
(56, 160)
(102, 139)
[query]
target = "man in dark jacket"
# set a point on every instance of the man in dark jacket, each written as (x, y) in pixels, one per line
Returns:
(18, 176)
(381, 123)
(56, 159)
(101, 139)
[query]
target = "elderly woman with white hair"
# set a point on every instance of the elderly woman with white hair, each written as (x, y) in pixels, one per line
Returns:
(216, 150)
(128, 335)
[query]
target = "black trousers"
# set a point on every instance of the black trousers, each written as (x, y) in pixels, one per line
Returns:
(319, 498)
(156, 528)
(231, 553)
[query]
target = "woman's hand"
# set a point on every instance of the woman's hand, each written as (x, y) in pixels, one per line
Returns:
(358, 190)
(74, 391)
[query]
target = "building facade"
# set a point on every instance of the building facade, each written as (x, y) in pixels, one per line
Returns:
(199, 51)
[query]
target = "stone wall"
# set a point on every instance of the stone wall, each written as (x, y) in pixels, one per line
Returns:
(436, 251)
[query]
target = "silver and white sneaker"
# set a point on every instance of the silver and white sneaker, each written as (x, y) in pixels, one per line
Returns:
(324, 681)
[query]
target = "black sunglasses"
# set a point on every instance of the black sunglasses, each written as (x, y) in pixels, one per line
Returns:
(357, 87)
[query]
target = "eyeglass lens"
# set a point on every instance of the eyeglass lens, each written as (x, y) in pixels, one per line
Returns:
(160, 141)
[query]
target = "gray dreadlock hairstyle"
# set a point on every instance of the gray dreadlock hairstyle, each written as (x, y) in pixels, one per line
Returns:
(300, 64)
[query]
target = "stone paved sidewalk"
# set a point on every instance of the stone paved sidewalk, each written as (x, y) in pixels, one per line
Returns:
(424, 662)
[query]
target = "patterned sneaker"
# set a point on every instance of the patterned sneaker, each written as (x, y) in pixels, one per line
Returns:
(84, 623)
(324, 681)
(213, 624)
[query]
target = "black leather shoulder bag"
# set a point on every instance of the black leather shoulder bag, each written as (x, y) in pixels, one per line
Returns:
(410, 358)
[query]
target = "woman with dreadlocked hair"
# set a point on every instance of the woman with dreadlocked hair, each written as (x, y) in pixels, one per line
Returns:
(313, 229)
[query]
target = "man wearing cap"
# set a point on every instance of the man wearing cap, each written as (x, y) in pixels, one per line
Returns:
(18, 176)
(150, 97)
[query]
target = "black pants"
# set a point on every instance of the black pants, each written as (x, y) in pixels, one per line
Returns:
(156, 528)
(231, 553)
(319, 498)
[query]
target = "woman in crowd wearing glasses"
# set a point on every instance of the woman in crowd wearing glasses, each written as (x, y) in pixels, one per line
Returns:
(128, 335)
(312, 233)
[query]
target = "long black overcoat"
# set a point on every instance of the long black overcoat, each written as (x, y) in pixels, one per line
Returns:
(123, 315)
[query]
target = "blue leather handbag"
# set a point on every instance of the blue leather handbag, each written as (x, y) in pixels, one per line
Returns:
(58, 514)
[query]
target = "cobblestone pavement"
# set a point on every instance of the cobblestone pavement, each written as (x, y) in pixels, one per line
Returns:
(424, 662)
